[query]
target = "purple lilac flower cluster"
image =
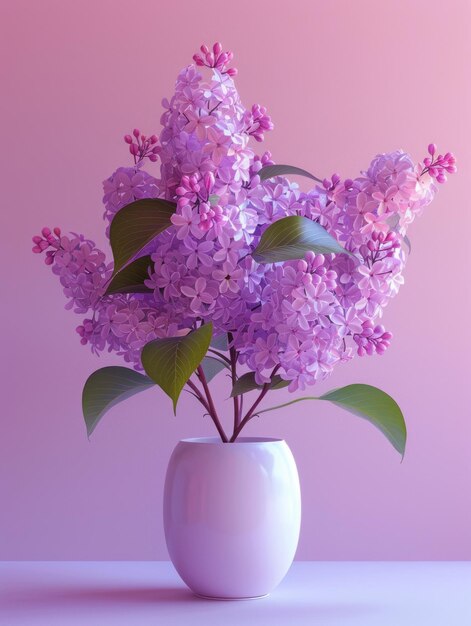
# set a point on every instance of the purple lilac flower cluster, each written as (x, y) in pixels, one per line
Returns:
(296, 318)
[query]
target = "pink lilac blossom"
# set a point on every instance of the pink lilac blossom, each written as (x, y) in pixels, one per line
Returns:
(298, 318)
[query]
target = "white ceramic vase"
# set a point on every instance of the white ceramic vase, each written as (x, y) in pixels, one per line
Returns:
(232, 514)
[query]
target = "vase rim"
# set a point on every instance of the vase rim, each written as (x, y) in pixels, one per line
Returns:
(239, 440)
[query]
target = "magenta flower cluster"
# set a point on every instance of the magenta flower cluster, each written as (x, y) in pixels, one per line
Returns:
(295, 318)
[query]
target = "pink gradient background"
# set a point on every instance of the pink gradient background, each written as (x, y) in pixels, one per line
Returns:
(342, 80)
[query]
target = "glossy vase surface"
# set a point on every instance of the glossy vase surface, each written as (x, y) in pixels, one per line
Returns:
(232, 514)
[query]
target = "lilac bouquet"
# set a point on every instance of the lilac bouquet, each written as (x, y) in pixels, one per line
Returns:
(223, 262)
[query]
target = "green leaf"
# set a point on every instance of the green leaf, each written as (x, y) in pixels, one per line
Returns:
(269, 171)
(105, 388)
(135, 225)
(212, 366)
(278, 383)
(131, 278)
(171, 361)
(220, 343)
(246, 383)
(291, 237)
(368, 402)
(374, 405)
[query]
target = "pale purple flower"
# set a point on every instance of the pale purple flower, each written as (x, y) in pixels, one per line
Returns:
(348, 321)
(228, 277)
(187, 221)
(388, 199)
(374, 224)
(198, 124)
(266, 351)
(199, 294)
(217, 145)
(373, 278)
(197, 253)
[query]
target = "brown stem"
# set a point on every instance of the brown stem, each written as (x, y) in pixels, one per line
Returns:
(251, 412)
(198, 394)
(233, 353)
(220, 355)
(211, 408)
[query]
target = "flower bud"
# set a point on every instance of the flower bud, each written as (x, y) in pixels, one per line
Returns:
(222, 58)
(208, 181)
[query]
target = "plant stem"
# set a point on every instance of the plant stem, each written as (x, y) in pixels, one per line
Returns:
(251, 412)
(198, 395)
(211, 408)
(233, 353)
(220, 355)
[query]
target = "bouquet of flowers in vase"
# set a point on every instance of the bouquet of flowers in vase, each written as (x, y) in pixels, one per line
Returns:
(222, 262)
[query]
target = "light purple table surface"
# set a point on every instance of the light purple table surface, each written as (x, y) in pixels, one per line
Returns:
(313, 593)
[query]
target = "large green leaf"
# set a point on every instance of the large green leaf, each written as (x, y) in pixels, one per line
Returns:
(135, 225)
(291, 237)
(246, 383)
(368, 402)
(269, 171)
(105, 388)
(212, 366)
(131, 278)
(171, 361)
